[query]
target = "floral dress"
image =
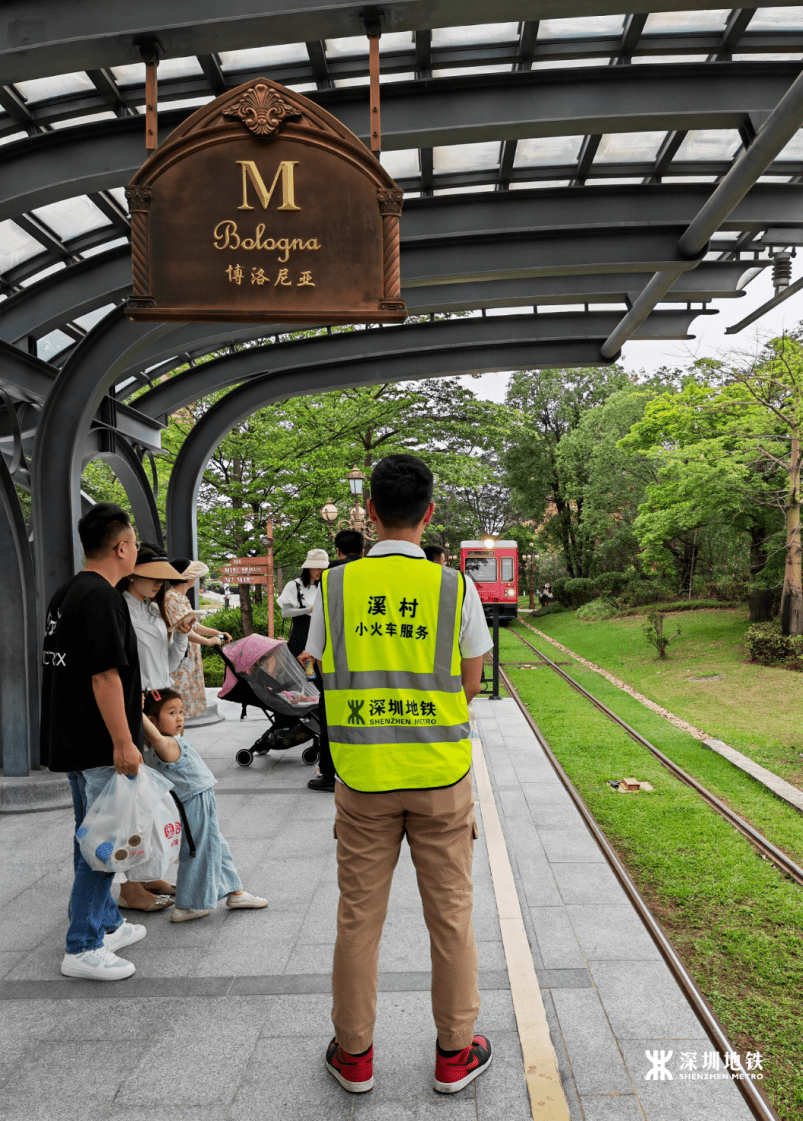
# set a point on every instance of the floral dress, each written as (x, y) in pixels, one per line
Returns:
(188, 678)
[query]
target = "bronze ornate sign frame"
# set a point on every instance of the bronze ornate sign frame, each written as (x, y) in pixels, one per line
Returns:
(262, 207)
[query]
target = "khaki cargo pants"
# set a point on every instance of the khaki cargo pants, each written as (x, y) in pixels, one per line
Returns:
(440, 829)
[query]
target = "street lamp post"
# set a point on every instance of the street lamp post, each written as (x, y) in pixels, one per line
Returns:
(357, 518)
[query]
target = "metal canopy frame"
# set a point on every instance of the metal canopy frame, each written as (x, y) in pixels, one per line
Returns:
(574, 164)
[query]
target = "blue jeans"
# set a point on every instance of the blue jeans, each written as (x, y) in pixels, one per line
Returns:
(92, 911)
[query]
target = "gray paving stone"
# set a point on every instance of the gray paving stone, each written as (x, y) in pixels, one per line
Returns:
(460, 1106)
(613, 933)
(201, 1056)
(570, 846)
(502, 1090)
(682, 1100)
(611, 1107)
(642, 999)
(597, 1066)
(262, 1096)
(549, 805)
(512, 803)
(564, 1066)
(527, 855)
(214, 1111)
(44, 1087)
(587, 885)
(556, 939)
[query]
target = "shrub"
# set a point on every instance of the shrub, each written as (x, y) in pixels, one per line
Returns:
(769, 647)
(550, 609)
(611, 583)
(579, 590)
(598, 609)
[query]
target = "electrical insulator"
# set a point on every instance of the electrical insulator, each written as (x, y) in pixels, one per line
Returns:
(781, 272)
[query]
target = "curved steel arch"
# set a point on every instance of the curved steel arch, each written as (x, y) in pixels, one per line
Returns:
(60, 437)
(123, 460)
(19, 652)
(444, 221)
(440, 111)
(425, 362)
(405, 344)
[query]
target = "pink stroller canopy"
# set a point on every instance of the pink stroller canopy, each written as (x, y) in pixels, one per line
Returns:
(243, 653)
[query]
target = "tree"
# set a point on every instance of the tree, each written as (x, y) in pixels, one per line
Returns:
(552, 404)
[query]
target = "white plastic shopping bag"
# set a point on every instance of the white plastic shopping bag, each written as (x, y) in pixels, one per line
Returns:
(133, 826)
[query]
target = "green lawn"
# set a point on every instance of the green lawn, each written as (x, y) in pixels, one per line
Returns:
(736, 921)
(705, 679)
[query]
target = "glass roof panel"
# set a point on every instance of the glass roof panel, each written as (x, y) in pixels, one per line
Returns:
(777, 19)
(642, 58)
(39, 89)
(661, 23)
(405, 77)
(349, 45)
(478, 33)
(50, 345)
(543, 183)
(580, 27)
(12, 136)
(37, 276)
(89, 320)
(16, 246)
(342, 83)
(568, 63)
(793, 56)
(629, 147)
(119, 194)
(401, 163)
(693, 178)
(465, 190)
(254, 57)
(632, 182)
(709, 144)
(466, 157)
(134, 72)
(542, 151)
(85, 120)
(105, 247)
(501, 68)
(793, 150)
(71, 217)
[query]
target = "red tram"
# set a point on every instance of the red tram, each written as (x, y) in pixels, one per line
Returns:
(494, 568)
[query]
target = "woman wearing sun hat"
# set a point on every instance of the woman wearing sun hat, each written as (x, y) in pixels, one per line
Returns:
(299, 595)
(188, 677)
(160, 647)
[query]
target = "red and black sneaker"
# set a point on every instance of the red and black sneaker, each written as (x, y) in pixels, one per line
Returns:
(355, 1073)
(453, 1072)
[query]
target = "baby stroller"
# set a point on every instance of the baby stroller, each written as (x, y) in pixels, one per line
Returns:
(262, 672)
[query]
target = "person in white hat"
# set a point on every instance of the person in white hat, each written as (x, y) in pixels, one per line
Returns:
(188, 677)
(298, 598)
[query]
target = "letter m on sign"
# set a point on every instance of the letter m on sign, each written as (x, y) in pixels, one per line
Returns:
(285, 172)
(354, 712)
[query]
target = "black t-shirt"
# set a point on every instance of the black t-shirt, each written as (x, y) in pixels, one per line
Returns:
(88, 631)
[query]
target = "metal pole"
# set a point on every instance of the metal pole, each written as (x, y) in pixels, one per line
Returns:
(532, 582)
(779, 128)
(270, 577)
(495, 689)
(373, 66)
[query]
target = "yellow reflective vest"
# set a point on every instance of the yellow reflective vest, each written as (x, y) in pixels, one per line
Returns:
(395, 705)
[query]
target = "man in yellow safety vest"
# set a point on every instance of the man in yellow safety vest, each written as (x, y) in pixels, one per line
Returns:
(400, 644)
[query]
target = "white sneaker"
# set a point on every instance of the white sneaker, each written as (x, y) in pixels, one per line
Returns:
(245, 901)
(126, 935)
(97, 965)
(185, 914)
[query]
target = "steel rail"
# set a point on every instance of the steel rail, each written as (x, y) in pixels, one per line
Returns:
(752, 1092)
(775, 855)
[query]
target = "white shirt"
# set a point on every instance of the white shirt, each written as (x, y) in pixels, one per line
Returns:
(289, 599)
(158, 655)
(475, 639)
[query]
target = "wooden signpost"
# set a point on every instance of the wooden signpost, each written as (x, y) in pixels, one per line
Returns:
(263, 207)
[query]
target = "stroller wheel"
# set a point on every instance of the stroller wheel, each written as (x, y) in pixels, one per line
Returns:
(310, 756)
(244, 757)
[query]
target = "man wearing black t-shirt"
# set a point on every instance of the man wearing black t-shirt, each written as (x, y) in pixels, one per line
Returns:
(92, 717)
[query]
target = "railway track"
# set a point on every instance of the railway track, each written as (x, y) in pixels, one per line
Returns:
(752, 1093)
(769, 851)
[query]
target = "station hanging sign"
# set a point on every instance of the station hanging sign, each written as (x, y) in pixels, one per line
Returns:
(263, 208)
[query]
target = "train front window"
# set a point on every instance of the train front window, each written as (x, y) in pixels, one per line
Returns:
(507, 568)
(481, 569)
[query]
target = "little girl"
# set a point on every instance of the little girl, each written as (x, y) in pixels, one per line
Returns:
(210, 874)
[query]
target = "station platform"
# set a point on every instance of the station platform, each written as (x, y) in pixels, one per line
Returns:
(228, 1016)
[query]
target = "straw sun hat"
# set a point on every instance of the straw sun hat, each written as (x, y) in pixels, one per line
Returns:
(157, 569)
